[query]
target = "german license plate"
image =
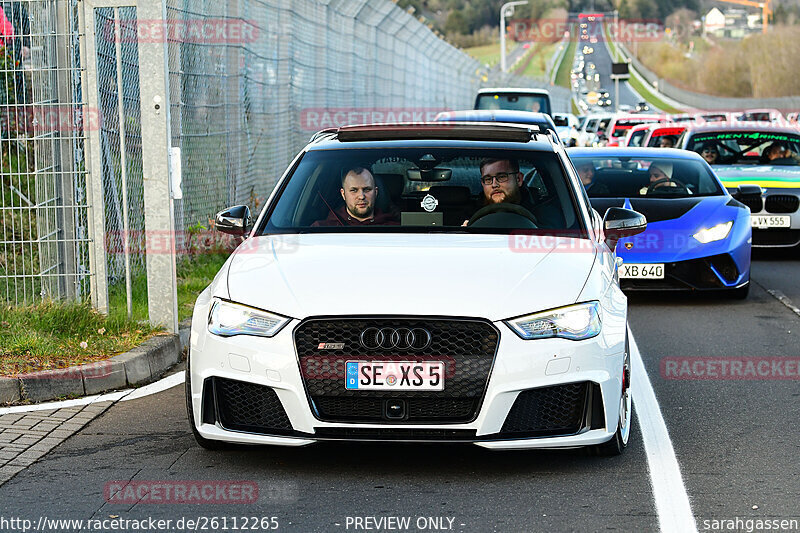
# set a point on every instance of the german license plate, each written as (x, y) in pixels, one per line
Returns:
(394, 375)
(642, 271)
(769, 221)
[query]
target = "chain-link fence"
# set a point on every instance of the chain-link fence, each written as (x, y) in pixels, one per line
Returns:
(243, 106)
(44, 205)
(248, 81)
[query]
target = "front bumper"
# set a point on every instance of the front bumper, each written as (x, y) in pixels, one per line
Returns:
(719, 272)
(568, 392)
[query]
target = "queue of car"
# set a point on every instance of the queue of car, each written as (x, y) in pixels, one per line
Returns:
(351, 312)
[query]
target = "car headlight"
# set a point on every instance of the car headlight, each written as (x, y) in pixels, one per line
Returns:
(228, 319)
(574, 322)
(714, 233)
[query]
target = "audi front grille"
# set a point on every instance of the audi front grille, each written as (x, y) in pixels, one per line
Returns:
(467, 347)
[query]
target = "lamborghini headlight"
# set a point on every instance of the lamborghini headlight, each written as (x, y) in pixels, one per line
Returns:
(714, 233)
(574, 322)
(228, 319)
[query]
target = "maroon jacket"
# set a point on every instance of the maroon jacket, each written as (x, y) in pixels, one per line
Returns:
(343, 218)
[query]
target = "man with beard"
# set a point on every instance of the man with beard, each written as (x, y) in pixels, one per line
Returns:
(502, 182)
(359, 193)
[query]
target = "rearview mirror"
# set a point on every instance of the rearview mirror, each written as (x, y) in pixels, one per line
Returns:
(619, 223)
(233, 220)
(434, 174)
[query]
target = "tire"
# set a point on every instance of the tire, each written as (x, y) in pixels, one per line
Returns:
(208, 444)
(617, 444)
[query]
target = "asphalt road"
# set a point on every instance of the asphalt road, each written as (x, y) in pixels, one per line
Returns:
(603, 60)
(737, 444)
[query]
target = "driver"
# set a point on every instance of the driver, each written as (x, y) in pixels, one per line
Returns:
(358, 192)
(667, 141)
(501, 181)
(661, 170)
(709, 152)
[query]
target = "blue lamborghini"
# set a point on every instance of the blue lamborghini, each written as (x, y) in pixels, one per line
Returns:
(698, 236)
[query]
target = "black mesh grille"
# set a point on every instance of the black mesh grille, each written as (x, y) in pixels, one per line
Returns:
(466, 347)
(395, 434)
(782, 203)
(755, 203)
(556, 410)
(249, 407)
(691, 274)
(775, 237)
(726, 267)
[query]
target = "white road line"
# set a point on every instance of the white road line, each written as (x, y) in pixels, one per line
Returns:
(669, 492)
(160, 385)
(123, 395)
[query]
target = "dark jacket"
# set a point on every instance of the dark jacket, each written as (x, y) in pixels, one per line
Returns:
(596, 189)
(340, 217)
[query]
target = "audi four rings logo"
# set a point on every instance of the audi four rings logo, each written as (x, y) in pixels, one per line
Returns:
(395, 338)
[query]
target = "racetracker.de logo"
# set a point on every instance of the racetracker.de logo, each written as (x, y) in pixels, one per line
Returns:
(320, 118)
(730, 368)
(192, 31)
(552, 30)
(62, 118)
(133, 492)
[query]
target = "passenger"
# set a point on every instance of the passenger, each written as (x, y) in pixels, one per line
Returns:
(359, 193)
(667, 141)
(777, 154)
(710, 153)
(587, 175)
(502, 182)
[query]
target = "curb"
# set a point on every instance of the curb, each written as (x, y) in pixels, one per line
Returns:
(143, 364)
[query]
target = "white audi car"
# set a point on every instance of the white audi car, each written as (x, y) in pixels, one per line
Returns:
(430, 282)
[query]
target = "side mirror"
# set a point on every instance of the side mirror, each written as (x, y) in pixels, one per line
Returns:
(619, 223)
(234, 220)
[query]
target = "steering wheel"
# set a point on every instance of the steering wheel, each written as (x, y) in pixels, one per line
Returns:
(656, 183)
(503, 207)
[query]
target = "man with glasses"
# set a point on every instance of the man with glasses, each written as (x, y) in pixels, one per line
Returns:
(502, 181)
(709, 153)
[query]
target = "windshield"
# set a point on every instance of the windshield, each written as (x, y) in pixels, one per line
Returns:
(514, 101)
(627, 177)
(756, 147)
(664, 137)
(424, 189)
(637, 137)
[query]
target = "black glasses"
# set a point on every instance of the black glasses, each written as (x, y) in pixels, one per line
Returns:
(501, 177)
(709, 151)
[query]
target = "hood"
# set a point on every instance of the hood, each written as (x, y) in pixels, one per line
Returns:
(654, 209)
(767, 176)
(670, 239)
(492, 276)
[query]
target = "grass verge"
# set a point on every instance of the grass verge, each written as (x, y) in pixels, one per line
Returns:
(564, 69)
(489, 54)
(651, 98)
(194, 275)
(53, 335)
(637, 85)
(534, 63)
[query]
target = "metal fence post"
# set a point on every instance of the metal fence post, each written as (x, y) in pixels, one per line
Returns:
(97, 218)
(158, 206)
